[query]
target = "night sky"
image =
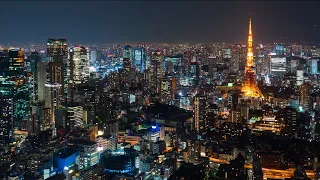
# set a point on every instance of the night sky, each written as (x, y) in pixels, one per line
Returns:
(90, 22)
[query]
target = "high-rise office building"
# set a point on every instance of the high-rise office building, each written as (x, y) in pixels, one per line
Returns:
(4, 60)
(127, 53)
(90, 104)
(6, 119)
(195, 72)
(292, 64)
(156, 71)
(280, 50)
(93, 57)
(79, 57)
(75, 115)
(139, 58)
(300, 77)
(314, 66)
(42, 79)
(54, 87)
(34, 59)
(57, 51)
(61, 121)
(173, 87)
(15, 105)
(40, 117)
(199, 113)
(16, 60)
(278, 65)
(235, 58)
(166, 89)
(305, 96)
(289, 115)
(126, 66)
(105, 109)
(57, 74)
(11, 62)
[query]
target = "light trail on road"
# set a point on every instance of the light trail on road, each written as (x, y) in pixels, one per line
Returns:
(267, 172)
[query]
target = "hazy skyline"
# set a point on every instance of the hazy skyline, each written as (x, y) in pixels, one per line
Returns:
(89, 22)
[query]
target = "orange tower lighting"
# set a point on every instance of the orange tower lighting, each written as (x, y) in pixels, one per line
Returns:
(249, 87)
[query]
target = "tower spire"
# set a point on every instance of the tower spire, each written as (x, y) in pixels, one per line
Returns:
(250, 31)
(250, 53)
(250, 87)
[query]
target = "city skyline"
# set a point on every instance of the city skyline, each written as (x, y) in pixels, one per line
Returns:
(147, 22)
(159, 90)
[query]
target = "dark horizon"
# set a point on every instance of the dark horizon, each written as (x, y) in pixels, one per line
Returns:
(97, 22)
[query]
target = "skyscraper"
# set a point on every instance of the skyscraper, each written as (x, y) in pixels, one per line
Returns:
(57, 74)
(34, 59)
(127, 53)
(125, 73)
(156, 71)
(16, 60)
(11, 62)
(93, 58)
(305, 96)
(57, 51)
(278, 65)
(14, 106)
(79, 57)
(314, 66)
(249, 87)
(199, 113)
(53, 87)
(42, 79)
(105, 109)
(139, 58)
(6, 119)
(4, 60)
(195, 72)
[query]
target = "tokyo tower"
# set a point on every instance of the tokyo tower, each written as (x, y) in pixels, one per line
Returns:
(249, 87)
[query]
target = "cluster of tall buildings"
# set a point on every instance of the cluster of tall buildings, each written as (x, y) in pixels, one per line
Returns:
(159, 110)
(38, 85)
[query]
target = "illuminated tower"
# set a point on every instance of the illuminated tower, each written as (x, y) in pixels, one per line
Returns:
(249, 87)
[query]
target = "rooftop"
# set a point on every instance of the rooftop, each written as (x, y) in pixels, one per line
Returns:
(168, 112)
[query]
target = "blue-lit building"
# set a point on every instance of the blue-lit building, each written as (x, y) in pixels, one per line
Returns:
(65, 159)
(127, 52)
(139, 58)
(280, 50)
